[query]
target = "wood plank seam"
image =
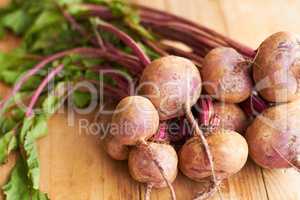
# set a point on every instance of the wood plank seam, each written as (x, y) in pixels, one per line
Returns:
(264, 181)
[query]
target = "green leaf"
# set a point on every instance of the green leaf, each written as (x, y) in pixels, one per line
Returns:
(19, 186)
(33, 128)
(18, 114)
(27, 124)
(46, 18)
(81, 99)
(8, 143)
(18, 21)
(54, 100)
(6, 124)
(64, 2)
(10, 76)
(40, 127)
(49, 105)
(32, 160)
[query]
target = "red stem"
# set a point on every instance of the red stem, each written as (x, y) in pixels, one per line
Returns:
(89, 52)
(168, 16)
(128, 41)
(41, 87)
(254, 105)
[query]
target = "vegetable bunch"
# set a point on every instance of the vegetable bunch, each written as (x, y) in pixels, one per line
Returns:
(69, 42)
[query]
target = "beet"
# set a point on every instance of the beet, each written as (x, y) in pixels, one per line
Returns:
(135, 119)
(225, 75)
(276, 68)
(274, 137)
(229, 150)
(114, 149)
(143, 169)
(154, 164)
(231, 117)
(170, 82)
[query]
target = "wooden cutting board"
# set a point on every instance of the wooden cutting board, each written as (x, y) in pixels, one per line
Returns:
(74, 166)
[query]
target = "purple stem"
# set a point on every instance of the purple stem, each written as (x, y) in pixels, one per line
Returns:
(168, 16)
(122, 84)
(98, 10)
(41, 87)
(73, 22)
(40, 66)
(128, 41)
(254, 105)
(206, 110)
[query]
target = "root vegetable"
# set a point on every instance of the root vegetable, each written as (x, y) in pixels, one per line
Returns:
(231, 117)
(173, 84)
(170, 82)
(229, 150)
(143, 169)
(134, 120)
(274, 137)
(276, 68)
(225, 75)
(154, 164)
(114, 149)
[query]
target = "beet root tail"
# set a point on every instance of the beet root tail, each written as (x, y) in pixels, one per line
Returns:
(198, 132)
(208, 192)
(148, 192)
(161, 170)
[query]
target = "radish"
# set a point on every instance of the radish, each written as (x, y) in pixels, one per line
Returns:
(229, 150)
(274, 137)
(142, 165)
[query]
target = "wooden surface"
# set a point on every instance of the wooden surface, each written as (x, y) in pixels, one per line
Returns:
(74, 166)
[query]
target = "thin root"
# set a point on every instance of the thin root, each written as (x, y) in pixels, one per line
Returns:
(198, 132)
(161, 170)
(209, 192)
(148, 192)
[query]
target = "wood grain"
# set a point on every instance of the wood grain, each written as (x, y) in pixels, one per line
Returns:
(74, 165)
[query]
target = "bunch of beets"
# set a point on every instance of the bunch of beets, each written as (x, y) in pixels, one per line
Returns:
(225, 98)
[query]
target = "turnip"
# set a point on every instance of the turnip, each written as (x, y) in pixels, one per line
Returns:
(276, 68)
(225, 75)
(228, 148)
(114, 149)
(231, 117)
(274, 137)
(143, 166)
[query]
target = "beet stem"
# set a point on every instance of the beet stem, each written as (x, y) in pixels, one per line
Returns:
(41, 87)
(240, 47)
(128, 41)
(148, 192)
(73, 22)
(160, 168)
(199, 133)
(155, 47)
(36, 69)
